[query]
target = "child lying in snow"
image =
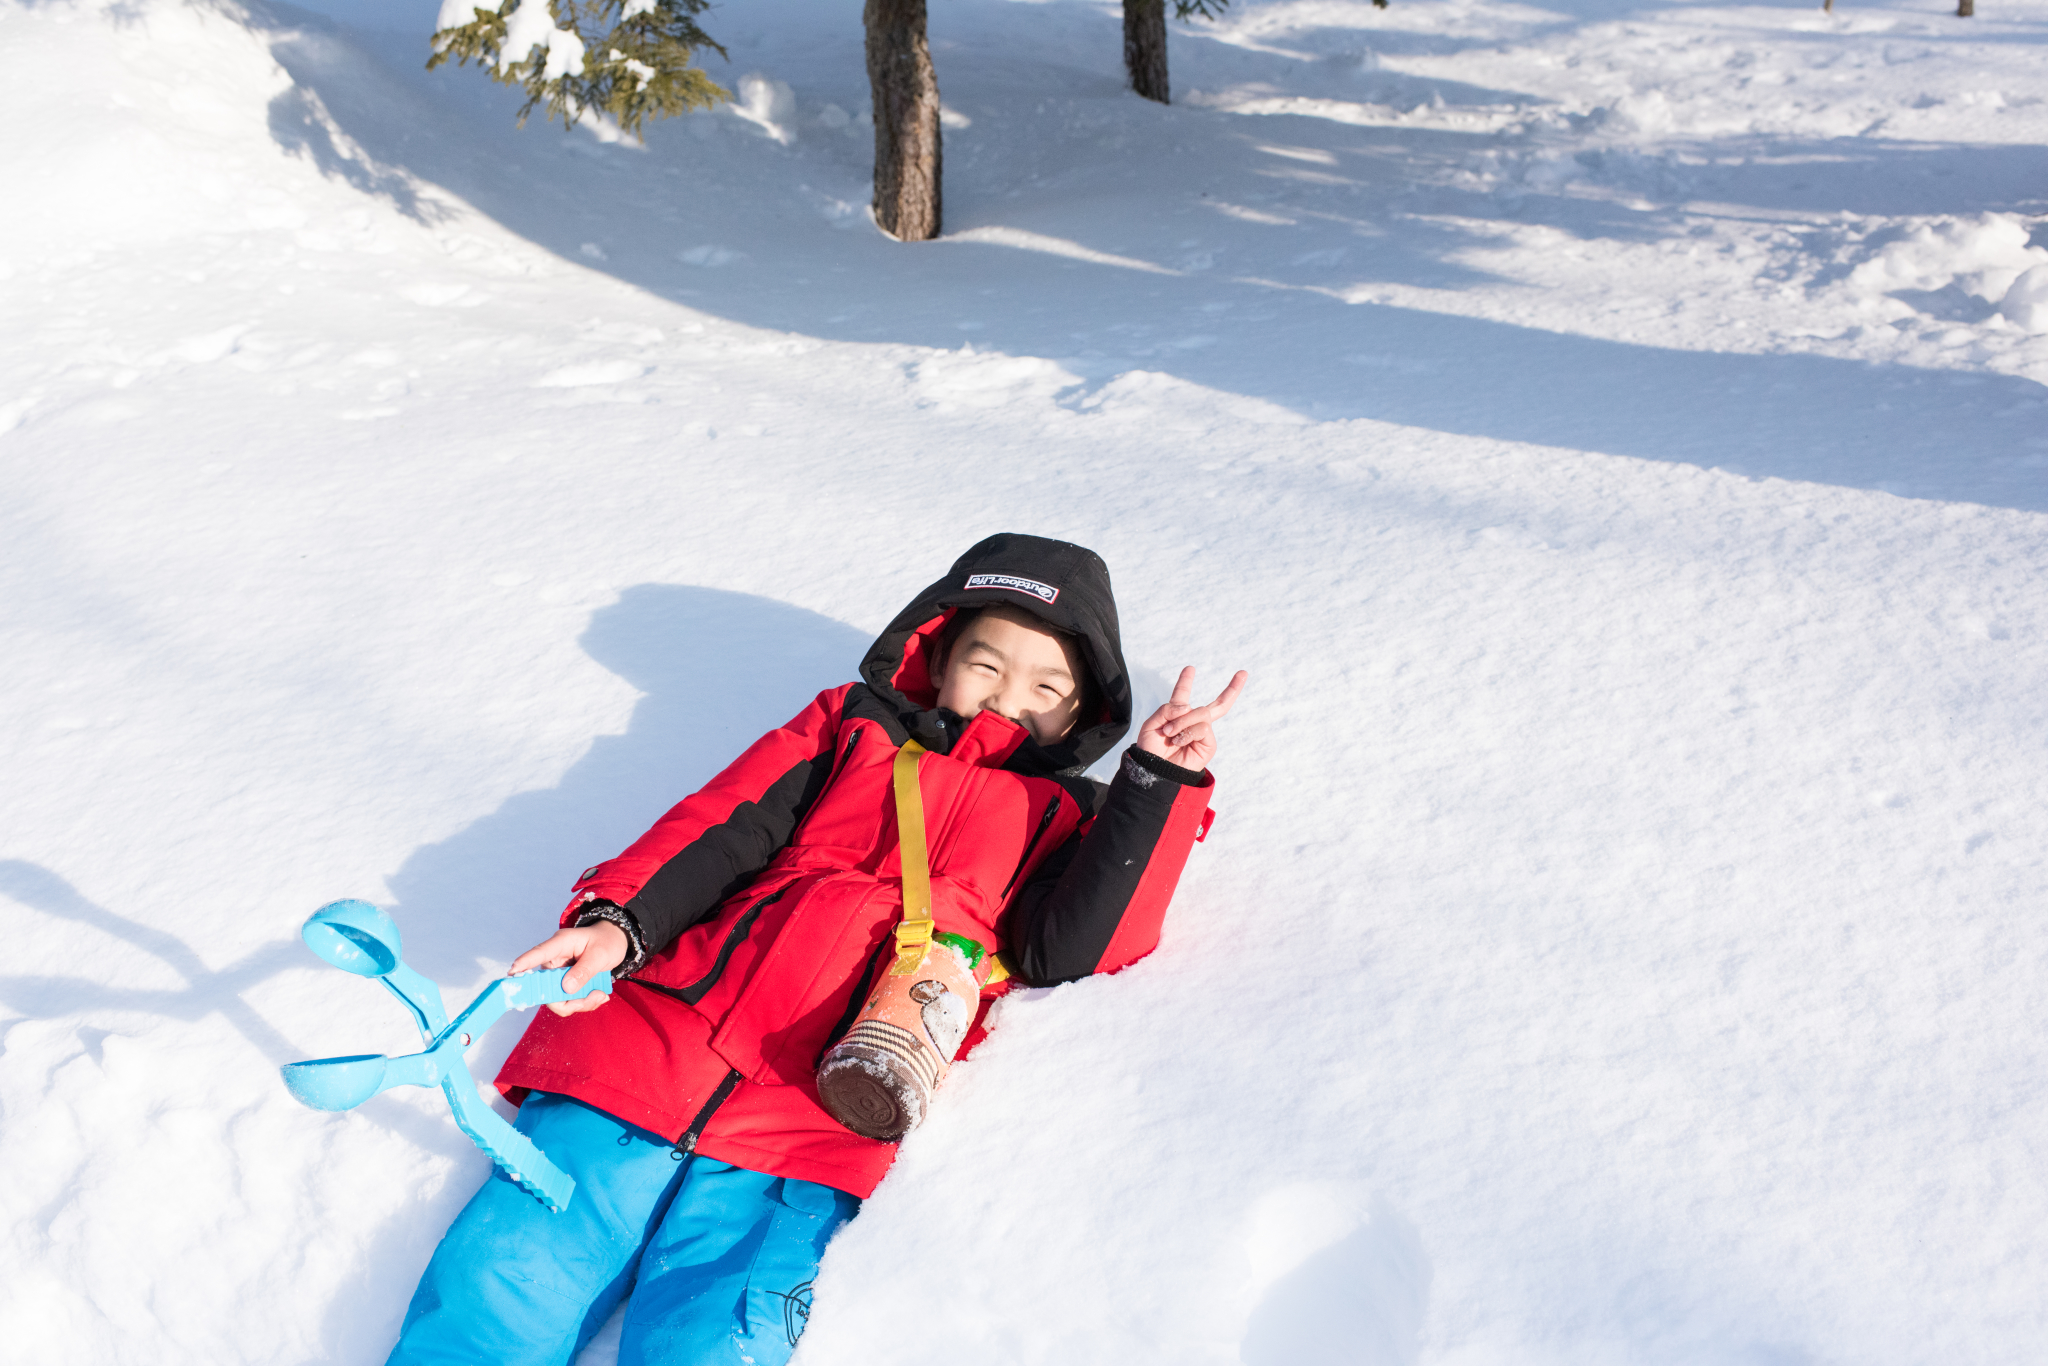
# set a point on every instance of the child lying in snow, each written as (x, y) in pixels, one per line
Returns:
(745, 929)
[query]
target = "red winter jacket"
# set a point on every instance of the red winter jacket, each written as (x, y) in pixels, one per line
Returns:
(767, 898)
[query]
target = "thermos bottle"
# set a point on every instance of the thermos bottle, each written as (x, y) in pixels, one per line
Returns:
(878, 1078)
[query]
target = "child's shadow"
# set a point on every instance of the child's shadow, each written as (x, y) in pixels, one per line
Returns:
(718, 669)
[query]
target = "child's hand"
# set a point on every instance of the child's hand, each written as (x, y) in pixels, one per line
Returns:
(1182, 733)
(591, 948)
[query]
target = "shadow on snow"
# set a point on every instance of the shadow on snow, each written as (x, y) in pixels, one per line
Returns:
(717, 669)
(1113, 264)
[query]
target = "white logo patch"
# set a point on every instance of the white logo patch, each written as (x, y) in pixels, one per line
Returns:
(1044, 592)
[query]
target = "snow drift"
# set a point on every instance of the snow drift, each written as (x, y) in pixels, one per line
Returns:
(1613, 439)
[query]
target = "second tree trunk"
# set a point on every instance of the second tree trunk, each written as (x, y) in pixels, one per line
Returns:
(906, 93)
(1145, 47)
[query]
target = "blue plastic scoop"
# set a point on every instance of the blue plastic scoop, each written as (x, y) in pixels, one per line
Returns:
(357, 937)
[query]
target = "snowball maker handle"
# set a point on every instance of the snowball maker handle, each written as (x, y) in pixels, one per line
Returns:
(361, 939)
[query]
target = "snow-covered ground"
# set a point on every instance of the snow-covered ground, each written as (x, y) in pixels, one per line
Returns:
(1613, 434)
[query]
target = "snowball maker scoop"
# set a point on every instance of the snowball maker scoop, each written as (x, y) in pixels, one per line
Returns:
(357, 937)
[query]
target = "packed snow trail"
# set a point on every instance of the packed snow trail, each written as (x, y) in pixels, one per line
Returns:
(1613, 437)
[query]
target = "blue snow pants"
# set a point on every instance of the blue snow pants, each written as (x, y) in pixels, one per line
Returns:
(717, 1260)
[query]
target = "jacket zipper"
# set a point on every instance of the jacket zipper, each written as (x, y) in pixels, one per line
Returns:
(860, 995)
(1044, 823)
(695, 992)
(687, 1144)
(851, 740)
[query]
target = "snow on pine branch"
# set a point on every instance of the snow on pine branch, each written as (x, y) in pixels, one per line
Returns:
(630, 59)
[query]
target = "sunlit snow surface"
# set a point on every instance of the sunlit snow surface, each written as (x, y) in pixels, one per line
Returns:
(1595, 427)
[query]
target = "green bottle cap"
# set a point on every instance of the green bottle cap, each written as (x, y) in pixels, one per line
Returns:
(966, 948)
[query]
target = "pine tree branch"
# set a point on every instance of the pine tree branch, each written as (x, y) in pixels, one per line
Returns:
(630, 59)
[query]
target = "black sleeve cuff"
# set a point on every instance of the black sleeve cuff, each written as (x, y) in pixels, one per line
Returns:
(611, 913)
(1149, 764)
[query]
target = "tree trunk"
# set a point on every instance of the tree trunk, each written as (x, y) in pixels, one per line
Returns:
(1145, 47)
(1966, 9)
(906, 93)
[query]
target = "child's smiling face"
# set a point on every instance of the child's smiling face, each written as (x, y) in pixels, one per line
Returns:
(1005, 662)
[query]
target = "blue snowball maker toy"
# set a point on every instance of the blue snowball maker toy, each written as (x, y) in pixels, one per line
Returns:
(357, 937)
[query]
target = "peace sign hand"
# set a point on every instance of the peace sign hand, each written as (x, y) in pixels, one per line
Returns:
(1183, 733)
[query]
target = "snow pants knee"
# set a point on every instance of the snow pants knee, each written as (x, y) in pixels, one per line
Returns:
(715, 1262)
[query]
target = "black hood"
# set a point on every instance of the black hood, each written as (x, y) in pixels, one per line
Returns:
(1064, 585)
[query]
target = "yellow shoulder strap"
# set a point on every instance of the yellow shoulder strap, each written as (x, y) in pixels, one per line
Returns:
(914, 934)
